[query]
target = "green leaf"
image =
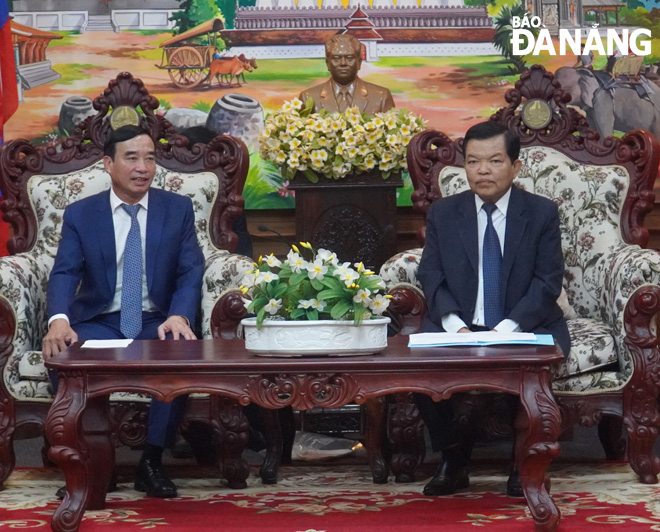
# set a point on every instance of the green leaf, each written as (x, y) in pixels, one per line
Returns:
(340, 308)
(297, 278)
(308, 108)
(313, 314)
(259, 302)
(279, 290)
(358, 313)
(330, 293)
(261, 314)
(317, 285)
(332, 282)
(311, 175)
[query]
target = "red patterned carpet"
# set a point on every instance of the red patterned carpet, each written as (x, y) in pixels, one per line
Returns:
(334, 498)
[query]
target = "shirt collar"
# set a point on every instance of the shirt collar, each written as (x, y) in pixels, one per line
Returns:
(115, 202)
(337, 88)
(502, 204)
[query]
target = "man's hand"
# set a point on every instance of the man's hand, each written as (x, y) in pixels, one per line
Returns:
(464, 330)
(178, 326)
(60, 335)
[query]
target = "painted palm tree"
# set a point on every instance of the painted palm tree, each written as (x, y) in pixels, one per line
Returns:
(504, 33)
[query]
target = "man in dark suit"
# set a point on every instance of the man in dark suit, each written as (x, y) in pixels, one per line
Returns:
(343, 55)
(492, 261)
(129, 266)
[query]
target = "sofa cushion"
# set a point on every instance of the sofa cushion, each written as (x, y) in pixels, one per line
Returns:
(31, 367)
(592, 347)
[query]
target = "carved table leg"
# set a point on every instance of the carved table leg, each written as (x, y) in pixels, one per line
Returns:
(273, 433)
(233, 431)
(537, 430)
(82, 448)
(407, 433)
(376, 436)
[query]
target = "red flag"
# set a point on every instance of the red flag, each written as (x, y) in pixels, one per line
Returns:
(8, 86)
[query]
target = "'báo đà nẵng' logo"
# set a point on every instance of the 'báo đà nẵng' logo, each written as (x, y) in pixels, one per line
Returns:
(524, 41)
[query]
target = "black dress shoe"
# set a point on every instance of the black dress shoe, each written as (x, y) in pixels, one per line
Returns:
(61, 491)
(151, 478)
(514, 484)
(449, 478)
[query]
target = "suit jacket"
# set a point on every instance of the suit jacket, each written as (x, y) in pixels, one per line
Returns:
(82, 282)
(532, 264)
(369, 98)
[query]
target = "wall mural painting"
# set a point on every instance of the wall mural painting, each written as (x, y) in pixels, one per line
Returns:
(223, 66)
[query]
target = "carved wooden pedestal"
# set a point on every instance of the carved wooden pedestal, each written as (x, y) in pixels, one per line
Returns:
(355, 216)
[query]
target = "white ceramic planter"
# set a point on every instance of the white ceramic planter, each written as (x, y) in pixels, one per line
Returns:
(318, 338)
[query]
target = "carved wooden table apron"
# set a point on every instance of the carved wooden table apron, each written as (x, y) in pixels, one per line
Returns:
(78, 426)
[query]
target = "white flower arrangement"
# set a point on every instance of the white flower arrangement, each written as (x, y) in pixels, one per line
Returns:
(337, 144)
(320, 288)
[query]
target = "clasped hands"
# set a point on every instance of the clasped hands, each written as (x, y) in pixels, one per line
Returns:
(61, 335)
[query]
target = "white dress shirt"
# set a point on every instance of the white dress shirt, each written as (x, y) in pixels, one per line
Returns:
(122, 224)
(451, 322)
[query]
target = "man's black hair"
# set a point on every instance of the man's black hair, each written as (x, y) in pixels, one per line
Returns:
(490, 129)
(122, 134)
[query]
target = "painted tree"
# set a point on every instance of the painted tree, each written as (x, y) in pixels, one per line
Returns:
(504, 34)
(194, 12)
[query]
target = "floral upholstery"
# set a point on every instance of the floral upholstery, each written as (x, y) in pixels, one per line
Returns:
(602, 270)
(24, 277)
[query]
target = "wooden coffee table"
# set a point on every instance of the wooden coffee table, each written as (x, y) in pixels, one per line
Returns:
(79, 430)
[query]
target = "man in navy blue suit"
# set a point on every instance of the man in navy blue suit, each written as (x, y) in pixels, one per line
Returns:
(456, 269)
(85, 296)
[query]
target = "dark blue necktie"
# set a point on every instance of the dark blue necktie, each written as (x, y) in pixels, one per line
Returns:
(491, 264)
(131, 290)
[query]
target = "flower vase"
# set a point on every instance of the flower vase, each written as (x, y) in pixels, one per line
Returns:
(286, 338)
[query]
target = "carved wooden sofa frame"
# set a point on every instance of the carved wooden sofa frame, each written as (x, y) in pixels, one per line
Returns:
(616, 176)
(37, 182)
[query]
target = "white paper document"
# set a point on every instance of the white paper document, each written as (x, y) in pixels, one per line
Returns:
(478, 338)
(106, 344)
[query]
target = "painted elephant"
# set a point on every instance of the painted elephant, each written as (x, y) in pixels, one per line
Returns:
(620, 108)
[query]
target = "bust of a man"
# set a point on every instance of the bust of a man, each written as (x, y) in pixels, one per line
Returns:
(345, 89)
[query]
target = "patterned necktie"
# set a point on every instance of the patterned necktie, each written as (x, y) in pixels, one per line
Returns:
(491, 264)
(131, 290)
(343, 100)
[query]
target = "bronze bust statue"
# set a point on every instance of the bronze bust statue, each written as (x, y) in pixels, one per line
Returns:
(345, 89)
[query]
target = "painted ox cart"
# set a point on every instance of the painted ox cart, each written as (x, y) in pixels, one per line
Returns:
(186, 62)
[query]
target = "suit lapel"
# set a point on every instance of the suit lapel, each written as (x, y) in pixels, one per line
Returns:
(155, 220)
(326, 95)
(104, 233)
(466, 227)
(361, 95)
(516, 223)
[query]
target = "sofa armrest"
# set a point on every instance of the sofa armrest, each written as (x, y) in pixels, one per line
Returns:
(23, 286)
(223, 272)
(402, 268)
(407, 309)
(227, 315)
(631, 278)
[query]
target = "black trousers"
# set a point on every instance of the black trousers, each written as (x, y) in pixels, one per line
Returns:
(440, 419)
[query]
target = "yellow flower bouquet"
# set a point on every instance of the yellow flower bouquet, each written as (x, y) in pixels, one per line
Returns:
(318, 288)
(337, 144)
